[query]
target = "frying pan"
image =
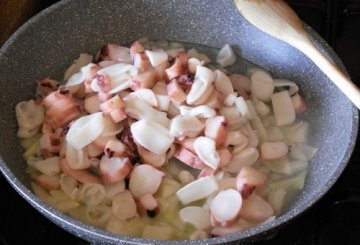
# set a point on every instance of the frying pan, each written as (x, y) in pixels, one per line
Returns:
(51, 40)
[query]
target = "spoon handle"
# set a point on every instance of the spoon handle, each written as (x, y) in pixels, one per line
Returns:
(330, 70)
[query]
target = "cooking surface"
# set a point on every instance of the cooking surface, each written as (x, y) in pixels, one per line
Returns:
(335, 219)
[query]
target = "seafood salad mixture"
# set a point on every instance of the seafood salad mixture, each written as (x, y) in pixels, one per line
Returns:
(157, 141)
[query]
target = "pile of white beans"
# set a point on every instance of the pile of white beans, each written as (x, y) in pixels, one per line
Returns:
(156, 142)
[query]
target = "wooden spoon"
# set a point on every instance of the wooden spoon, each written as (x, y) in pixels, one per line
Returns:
(277, 19)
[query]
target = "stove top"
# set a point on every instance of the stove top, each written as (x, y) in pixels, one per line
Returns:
(335, 219)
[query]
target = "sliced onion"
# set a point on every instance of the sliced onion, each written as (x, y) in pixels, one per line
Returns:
(85, 130)
(49, 167)
(197, 216)
(283, 108)
(262, 85)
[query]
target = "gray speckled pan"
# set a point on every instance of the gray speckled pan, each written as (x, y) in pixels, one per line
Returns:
(49, 42)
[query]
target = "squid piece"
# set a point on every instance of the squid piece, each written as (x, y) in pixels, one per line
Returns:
(114, 169)
(175, 92)
(114, 148)
(245, 157)
(136, 47)
(205, 148)
(29, 116)
(61, 108)
(101, 83)
(248, 179)
(141, 61)
(197, 190)
(178, 68)
(240, 82)
(92, 104)
(193, 63)
(113, 52)
(236, 138)
(47, 86)
(160, 71)
(148, 202)
(112, 104)
(256, 209)
(215, 128)
(49, 143)
(143, 80)
(225, 157)
(201, 112)
(144, 133)
(215, 100)
(225, 206)
(77, 159)
(189, 158)
(187, 143)
(83, 176)
(144, 179)
(126, 137)
(85, 130)
(273, 150)
(150, 158)
(118, 115)
(186, 81)
(89, 76)
(200, 92)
